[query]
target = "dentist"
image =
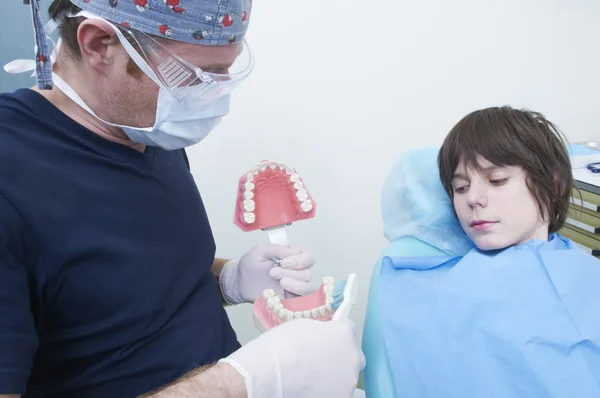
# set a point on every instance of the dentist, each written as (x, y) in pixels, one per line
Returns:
(109, 286)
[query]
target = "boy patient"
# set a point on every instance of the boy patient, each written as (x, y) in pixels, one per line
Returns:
(519, 314)
(509, 176)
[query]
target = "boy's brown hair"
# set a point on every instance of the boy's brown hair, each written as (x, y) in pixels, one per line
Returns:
(511, 137)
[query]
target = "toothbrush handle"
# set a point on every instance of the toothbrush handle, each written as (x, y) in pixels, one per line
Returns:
(350, 291)
(342, 313)
(278, 236)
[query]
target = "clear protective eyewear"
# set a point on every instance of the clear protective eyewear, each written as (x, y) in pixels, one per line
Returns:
(183, 80)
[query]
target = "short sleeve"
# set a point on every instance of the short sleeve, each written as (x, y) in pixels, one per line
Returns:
(18, 337)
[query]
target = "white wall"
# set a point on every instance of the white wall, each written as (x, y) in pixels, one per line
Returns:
(342, 87)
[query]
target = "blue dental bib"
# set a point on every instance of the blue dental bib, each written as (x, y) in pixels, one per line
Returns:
(522, 322)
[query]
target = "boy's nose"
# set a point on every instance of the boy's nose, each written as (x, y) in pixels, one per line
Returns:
(477, 197)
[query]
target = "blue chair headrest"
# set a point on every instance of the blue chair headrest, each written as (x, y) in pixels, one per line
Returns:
(414, 204)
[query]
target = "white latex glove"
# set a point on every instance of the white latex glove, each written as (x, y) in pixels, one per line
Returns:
(243, 280)
(301, 358)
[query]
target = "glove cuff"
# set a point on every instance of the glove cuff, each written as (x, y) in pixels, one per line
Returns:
(243, 372)
(228, 282)
(259, 366)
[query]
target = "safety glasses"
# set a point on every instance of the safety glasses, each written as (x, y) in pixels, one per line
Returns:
(183, 80)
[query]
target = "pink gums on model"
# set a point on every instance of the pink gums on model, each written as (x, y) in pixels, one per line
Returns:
(316, 305)
(271, 195)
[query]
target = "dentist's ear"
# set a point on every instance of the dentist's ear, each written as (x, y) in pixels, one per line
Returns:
(99, 45)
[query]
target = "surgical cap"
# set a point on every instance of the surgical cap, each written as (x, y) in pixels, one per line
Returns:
(415, 204)
(206, 22)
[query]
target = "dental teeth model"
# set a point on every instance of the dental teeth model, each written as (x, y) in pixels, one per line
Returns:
(270, 310)
(270, 197)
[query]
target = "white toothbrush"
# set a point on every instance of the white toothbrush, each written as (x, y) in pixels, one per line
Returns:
(350, 294)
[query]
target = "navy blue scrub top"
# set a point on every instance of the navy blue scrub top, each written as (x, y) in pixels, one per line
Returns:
(105, 256)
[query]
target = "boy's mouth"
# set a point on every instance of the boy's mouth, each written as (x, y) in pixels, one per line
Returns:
(480, 225)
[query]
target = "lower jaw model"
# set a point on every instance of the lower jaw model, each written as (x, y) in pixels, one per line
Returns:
(270, 310)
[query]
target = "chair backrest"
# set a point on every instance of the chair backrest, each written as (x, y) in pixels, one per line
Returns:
(415, 204)
(418, 221)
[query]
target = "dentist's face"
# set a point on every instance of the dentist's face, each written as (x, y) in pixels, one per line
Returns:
(133, 98)
(495, 207)
(119, 92)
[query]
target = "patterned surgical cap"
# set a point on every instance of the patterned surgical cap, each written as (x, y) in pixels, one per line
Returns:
(206, 22)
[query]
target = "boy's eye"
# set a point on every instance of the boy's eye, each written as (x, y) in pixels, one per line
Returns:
(500, 181)
(461, 189)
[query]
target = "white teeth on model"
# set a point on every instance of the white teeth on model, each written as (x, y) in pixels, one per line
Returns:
(268, 293)
(282, 313)
(302, 195)
(329, 295)
(272, 302)
(277, 308)
(322, 310)
(306, 206)
(248, 195)
(249, 217)
(249, 205)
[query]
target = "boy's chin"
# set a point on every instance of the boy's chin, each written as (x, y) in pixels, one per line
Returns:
(490, 242)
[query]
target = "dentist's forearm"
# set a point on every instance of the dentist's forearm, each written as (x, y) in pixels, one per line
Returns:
(219, 381)
(216, 270)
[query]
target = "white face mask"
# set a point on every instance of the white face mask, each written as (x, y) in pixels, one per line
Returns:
(177, 125)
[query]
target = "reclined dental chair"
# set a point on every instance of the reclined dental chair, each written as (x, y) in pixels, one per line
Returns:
(418, 221)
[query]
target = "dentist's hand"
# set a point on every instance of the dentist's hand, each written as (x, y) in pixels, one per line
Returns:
(301, 358)
(243, 280)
